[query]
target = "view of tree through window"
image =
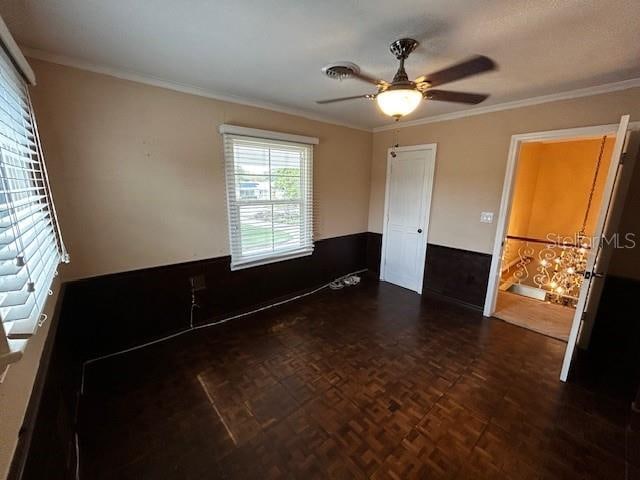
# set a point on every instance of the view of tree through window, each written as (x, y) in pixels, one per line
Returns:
(271, 182)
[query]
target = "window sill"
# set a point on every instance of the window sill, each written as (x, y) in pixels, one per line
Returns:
(242, 264)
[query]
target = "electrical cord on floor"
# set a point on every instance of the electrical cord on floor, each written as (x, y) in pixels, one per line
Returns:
(346, 280)
(341, 282)
(349, 279)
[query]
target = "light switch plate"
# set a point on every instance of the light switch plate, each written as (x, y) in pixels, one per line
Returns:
(486, 217)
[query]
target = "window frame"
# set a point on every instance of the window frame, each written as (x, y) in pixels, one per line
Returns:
(239, 261)
(27, 168)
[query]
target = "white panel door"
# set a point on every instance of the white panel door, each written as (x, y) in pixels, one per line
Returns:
(407, 202)
(598, 260)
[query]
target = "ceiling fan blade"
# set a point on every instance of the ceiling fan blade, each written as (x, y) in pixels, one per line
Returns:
(342, 99)
(472, 66)
(458, 97)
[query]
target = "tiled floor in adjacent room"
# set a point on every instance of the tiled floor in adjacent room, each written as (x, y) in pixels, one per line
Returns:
(367, 382)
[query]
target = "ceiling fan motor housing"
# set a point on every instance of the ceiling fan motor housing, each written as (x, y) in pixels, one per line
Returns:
(403, 47)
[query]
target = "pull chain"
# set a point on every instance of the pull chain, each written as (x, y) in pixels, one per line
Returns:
(396, 142)
(593, 189)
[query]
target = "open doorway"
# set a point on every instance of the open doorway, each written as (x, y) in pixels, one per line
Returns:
(592, 255)
(556, 199)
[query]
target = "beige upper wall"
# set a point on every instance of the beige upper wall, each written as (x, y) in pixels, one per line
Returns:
(472, 157)
(137, 172)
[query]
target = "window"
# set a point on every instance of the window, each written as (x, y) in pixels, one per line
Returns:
(269, 196)
(30, 242)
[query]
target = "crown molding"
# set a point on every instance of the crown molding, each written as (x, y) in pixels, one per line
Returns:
(201, 92)
(178, 87)
(567, 95)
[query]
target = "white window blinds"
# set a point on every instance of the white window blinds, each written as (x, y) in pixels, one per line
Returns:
(270, 199)
(30, 242)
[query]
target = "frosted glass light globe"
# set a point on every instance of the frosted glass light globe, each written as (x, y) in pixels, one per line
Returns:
(398, 103)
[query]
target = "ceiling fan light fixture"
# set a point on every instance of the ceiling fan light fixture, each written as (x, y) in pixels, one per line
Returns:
(398, 102)
(401, 96)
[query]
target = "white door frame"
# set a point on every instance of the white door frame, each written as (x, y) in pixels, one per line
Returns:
(507, 192)
(429, 180)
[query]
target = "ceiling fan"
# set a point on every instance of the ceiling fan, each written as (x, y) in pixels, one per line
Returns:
(401, 96)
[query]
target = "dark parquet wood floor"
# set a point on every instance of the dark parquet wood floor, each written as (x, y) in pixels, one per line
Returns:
(366, 382)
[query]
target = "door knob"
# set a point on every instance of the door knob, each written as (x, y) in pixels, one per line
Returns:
(419, 230)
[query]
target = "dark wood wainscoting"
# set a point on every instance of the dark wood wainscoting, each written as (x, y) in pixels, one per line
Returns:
(126, 309)
(374, 252)
(459, 275)
(105, 314)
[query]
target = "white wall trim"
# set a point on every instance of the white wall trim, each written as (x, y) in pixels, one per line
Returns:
(255, 132)
(15, 53)
(554, 97)
(179, 87)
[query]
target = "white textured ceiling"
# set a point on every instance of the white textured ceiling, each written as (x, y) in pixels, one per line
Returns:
(272, 51)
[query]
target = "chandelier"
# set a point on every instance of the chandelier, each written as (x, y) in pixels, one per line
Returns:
(561, 274)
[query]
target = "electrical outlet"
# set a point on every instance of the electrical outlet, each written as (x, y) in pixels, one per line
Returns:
(197, 283)
(486, 217)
